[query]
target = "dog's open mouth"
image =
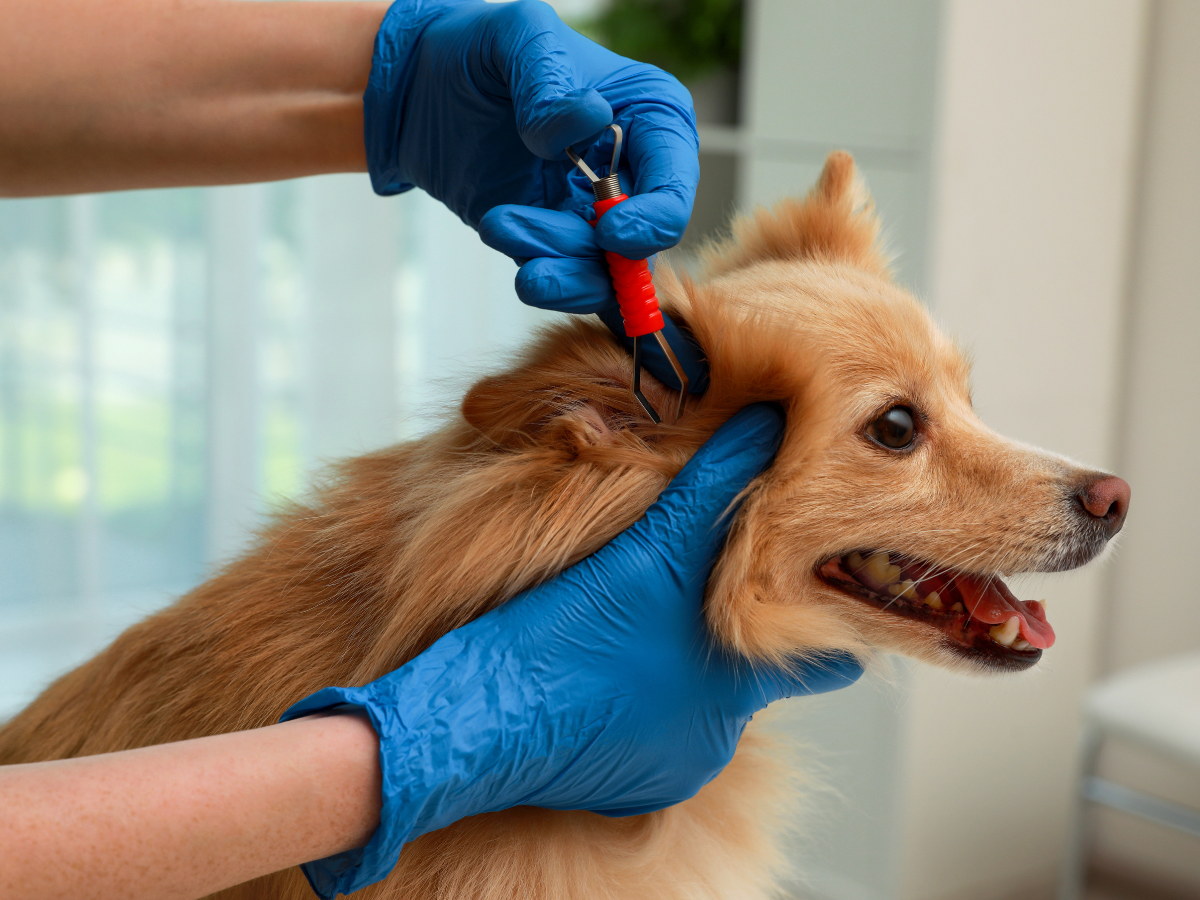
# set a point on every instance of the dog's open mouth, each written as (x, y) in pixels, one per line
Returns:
(979, 615)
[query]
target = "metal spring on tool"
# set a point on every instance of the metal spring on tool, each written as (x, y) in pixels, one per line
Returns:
(607, 188)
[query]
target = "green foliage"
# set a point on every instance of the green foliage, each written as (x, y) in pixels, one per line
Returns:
(688, 38)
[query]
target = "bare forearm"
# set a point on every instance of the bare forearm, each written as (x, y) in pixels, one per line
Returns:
(183, 820)
(154, 93)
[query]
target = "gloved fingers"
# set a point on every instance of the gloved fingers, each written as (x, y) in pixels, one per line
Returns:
(578, 117)
(690, 515)
(566, 285)
(689, 354)
(663, 157)
(646, 223)
(527, 232)
(539, 239)
(553, 109)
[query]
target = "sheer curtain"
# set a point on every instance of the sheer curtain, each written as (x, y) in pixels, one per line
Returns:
(172, 363)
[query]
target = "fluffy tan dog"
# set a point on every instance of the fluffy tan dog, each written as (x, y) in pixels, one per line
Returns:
(885, 522)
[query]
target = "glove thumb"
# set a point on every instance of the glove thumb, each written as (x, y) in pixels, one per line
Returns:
(815, 674)
(691, 514)
(548, 125)
(553, 112)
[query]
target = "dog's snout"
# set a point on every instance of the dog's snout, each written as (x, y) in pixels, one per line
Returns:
(1107, 500)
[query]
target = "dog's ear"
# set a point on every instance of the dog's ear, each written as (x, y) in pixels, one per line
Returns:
(514, 411)
(835, 222)
(568, 396)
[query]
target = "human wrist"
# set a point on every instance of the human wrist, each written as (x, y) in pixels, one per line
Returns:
(391, 75)
(437, 733)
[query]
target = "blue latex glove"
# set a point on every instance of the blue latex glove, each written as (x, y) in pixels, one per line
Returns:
(475, 103)
(597, 690)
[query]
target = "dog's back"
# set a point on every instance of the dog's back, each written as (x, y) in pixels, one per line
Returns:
(400, 547)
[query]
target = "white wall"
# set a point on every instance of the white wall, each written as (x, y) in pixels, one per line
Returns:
(1153, 609)
(1033, 175)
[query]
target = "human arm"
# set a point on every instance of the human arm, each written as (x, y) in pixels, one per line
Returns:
(472, 101)
(179, 821)
(146, 93)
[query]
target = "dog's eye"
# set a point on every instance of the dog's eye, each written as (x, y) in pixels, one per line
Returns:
(895, 429)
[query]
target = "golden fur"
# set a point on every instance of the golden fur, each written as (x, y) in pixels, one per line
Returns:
(547, 462)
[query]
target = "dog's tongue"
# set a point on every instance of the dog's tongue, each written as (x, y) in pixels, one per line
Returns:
(992, 603)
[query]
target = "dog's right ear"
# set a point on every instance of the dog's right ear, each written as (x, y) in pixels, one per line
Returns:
(569, 395)
(836, 222)
(514, 411)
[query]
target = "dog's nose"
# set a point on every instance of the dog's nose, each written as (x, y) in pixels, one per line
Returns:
(1107, 499)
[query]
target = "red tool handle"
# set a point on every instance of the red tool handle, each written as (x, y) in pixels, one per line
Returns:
(632, 281)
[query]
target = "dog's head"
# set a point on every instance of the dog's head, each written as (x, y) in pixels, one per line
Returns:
(891, 512)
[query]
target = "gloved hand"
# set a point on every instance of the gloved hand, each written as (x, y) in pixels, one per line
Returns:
(475, 103)
(597, 690)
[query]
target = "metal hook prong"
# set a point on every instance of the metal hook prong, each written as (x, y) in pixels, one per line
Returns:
(684, 384)
(574, 157)
(612, 170)
(643, 402)
(616, 157)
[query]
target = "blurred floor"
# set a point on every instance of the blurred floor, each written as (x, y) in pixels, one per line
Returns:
(1105, 884)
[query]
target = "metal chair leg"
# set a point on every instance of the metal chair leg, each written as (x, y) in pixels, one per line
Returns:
(1073, 875)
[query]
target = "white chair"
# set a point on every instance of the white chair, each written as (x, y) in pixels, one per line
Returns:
(1156, 706)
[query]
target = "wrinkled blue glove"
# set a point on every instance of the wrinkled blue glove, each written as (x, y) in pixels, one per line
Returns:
(597, 690)
(475, 103)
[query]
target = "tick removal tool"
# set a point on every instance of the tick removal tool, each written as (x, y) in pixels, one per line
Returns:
(633, 284)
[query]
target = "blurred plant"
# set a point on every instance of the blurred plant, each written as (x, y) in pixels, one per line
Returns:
(688, 38)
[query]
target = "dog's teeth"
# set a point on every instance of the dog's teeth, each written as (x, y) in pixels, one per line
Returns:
(1022, 644)
(880, 571)
(957, 607)
(933, 600)
(854, 561)
(905, 588)
(1007, 633)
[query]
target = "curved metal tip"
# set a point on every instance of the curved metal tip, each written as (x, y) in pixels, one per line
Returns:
(684, 384)
(574, 157)
(637, 383)
(616, 157)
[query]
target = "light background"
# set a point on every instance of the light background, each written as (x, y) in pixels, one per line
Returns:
(173, 362)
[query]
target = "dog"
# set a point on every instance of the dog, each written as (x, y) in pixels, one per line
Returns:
(884, 524)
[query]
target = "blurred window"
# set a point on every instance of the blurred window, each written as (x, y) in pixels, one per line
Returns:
(173, 363)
